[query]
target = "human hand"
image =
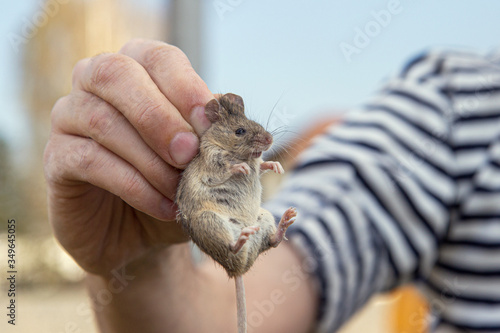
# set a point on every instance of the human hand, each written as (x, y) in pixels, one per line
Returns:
(116, 148)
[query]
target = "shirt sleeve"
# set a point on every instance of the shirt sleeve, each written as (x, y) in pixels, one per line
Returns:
(374, 193)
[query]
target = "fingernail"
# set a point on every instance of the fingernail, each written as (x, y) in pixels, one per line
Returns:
(199, 120)
(183, 147)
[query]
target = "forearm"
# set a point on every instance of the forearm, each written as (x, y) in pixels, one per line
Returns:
(166, 292)
(159, 293)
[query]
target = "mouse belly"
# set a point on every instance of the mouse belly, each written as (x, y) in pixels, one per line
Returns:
(218, 234)
(234, 201)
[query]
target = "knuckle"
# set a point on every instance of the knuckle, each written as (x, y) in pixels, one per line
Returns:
(64, 161)
(191, 88)
(49, 167)
(155, 163)
(100, 123)
(61, 103)
(83, 157)
(138, 44)
(164, 52)
(54, 155)
(171, 62)
(132, 43)
(60, 106)
(79, 68)
(134, 185)
(147, 114)
(107, 69)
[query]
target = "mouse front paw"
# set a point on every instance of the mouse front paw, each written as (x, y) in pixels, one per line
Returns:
(241, 168)
(272, 165)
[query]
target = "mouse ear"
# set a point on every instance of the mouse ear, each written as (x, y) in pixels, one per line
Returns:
(233, 103)
(212, 110)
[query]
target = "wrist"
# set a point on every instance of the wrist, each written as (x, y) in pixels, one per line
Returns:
(154, 265)
(141, 291)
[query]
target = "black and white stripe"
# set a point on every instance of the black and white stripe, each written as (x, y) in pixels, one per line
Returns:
(407, 188)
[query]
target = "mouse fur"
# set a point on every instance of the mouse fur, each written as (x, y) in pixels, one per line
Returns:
(219, 194)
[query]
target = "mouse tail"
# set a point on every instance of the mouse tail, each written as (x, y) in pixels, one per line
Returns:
(241, 305)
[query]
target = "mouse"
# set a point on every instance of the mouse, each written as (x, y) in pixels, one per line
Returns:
(219, 194)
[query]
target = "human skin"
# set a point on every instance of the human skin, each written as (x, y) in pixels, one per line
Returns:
(117, 146)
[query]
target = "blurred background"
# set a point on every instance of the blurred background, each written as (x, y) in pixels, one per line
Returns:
(306, 60)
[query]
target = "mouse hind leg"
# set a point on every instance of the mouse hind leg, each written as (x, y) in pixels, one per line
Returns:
(226, 240)
(268, 225)
(243, 238)
(211, 233)
(286, 220)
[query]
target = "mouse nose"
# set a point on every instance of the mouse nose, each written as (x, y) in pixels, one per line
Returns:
(268, 139)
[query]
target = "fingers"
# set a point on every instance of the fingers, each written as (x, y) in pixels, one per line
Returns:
(125, 84)
(130, 123)
(172, 72)
(72, 159)
(86, 115)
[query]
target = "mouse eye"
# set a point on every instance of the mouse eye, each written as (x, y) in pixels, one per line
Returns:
(240, 131)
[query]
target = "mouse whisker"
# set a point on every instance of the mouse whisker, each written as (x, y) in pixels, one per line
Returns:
(272, 110)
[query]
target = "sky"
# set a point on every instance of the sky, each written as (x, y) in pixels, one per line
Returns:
(301, 58)
(291, 51)
(13, 121)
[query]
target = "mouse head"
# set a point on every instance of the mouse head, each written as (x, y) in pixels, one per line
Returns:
(233, 131)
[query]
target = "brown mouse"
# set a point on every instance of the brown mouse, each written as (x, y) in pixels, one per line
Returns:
(219, 194)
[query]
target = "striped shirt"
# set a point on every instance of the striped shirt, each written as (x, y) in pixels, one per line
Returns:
(407, 189)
